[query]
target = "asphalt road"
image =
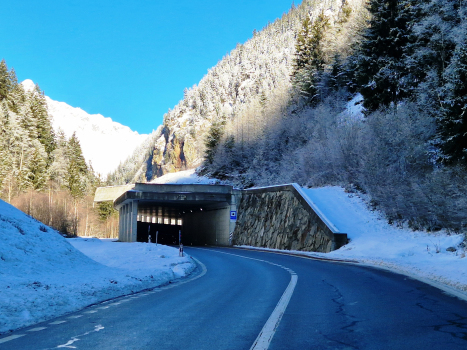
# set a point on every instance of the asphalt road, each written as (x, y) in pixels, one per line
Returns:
(230, 299)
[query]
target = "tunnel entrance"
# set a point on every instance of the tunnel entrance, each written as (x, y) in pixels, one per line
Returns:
(165, 234)
(200, 212)
(197, 225)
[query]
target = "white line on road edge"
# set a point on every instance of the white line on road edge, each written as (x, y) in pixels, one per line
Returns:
(264, 338)
(203, 272)
(11, 337)
(269, 329)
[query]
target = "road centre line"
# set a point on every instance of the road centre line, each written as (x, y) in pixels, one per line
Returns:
(11, 337)
(264, 338)
(57, 322)
(37, 329)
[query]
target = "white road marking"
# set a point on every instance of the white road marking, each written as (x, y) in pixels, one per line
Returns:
(170, 286)
(90, 312)
(57, 322)
(103, 307)
(76, 338)
(37, 329)
(11, 337)
(264, 338)
(76, 316)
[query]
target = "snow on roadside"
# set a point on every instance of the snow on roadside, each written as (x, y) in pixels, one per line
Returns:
(43, 276)
(374, 242)
(185, 177)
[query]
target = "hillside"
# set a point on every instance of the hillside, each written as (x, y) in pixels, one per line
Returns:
(275, 110)
(251, 75)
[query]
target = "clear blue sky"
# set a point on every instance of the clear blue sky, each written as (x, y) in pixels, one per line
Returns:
(125, 59)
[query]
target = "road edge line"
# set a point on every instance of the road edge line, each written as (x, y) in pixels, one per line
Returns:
(264, 338)
(446, 288)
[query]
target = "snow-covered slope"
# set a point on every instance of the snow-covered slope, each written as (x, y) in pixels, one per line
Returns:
(185, 177)
(105, 143)
(43, 276)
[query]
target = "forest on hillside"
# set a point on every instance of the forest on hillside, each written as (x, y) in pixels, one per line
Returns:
(42, 173)
(280, 108)
(407, 150)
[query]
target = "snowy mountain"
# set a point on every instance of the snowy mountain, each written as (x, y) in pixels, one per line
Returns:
(105, 143)
(245, 88)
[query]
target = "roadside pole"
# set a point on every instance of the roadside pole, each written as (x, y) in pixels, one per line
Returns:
(180, 250)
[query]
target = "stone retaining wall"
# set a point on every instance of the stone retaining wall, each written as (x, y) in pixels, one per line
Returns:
(280, 218)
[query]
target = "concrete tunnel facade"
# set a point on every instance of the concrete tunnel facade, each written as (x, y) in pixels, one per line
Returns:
(201, 212)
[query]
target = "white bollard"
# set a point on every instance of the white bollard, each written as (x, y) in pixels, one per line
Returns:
(149, 239)
(180, 251)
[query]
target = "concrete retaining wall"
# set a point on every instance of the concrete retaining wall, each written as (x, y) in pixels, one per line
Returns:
(280, 217)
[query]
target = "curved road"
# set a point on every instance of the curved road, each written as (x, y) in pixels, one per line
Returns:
(232, 296)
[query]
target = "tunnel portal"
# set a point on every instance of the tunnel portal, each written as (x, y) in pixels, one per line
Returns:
(201, 213)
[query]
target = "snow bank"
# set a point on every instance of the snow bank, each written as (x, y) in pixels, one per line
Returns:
(185, 177)
(43, 276)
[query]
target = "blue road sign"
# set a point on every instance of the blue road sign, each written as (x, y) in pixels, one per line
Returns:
(233, 215)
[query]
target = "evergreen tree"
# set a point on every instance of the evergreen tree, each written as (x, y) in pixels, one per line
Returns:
(38, 167)
(310, 58)
(59, 166)
(6, 141)
(452, 120)
(17, 99)
(6, 85)
(77, 169)
(380, 68)
(44, 130)
(213, 138)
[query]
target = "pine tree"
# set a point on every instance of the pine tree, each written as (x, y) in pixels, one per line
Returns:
(17, 99)
(43, 126)
(452, 120)
(38, 167)
(59, 166)
(77, 169)
(213, 138)
(6, 140)
(310, 58)
(6, 84)
(380, 68)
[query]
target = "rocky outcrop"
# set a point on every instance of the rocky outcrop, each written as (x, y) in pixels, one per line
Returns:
(280, 218)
